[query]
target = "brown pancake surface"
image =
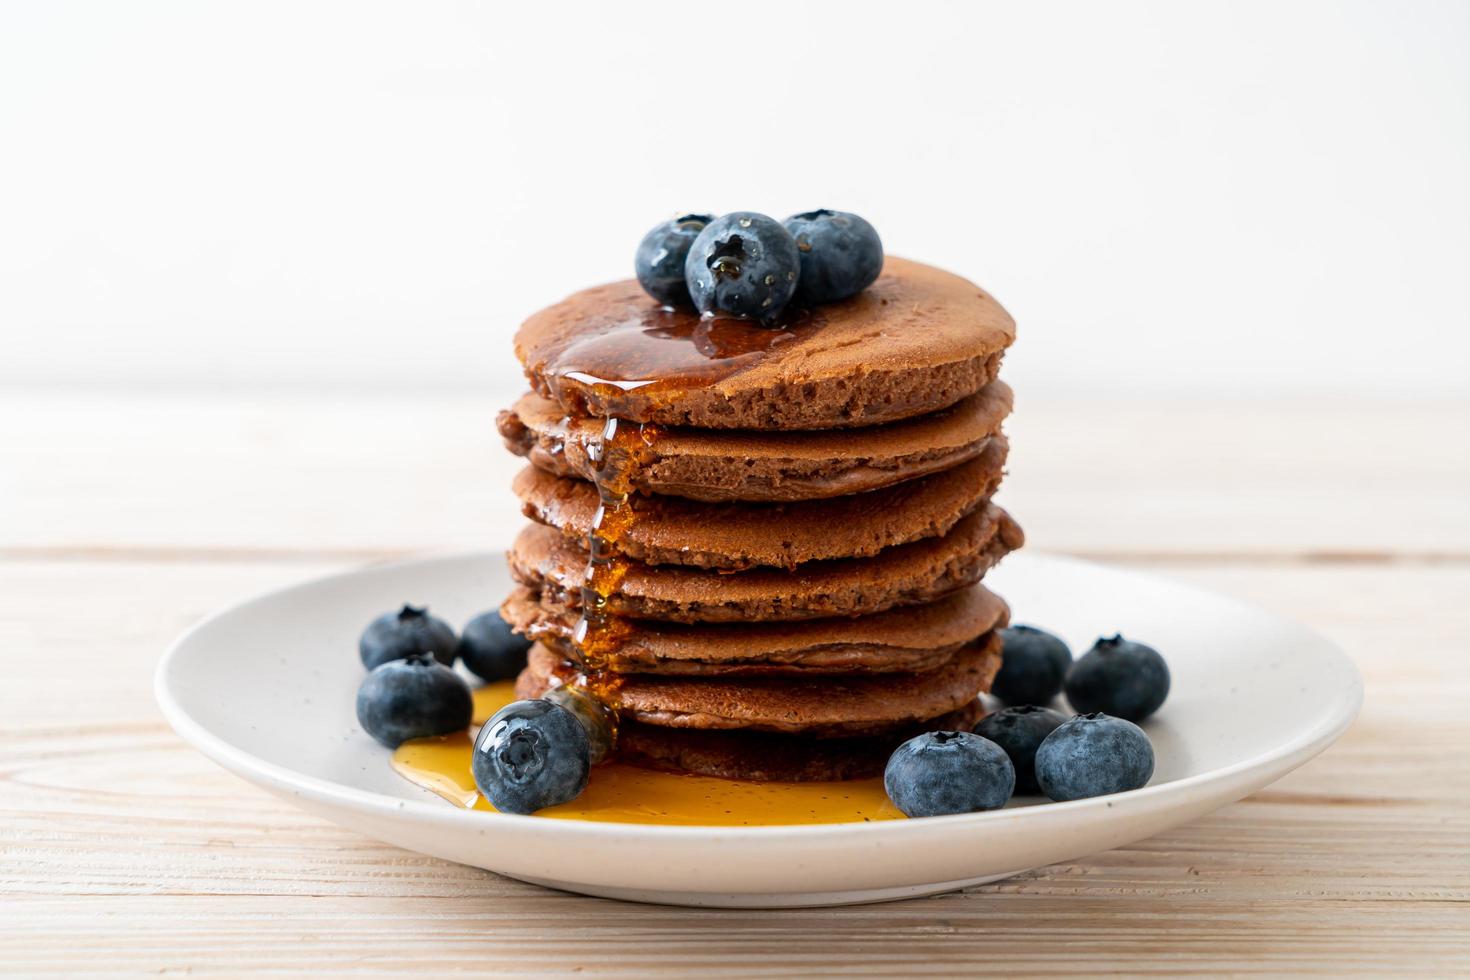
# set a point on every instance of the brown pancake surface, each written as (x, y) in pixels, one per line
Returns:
(736, 536)
(766, 466)
(825, 707)
(770, 757)
(906, 639)
(554, 567)
(917, 340)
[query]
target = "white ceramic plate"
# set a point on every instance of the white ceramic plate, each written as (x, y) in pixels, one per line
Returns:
(267, 689)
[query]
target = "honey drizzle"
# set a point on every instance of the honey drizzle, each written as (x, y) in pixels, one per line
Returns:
(616, 455)
(636, 346)
(622, 793)
(635, 351)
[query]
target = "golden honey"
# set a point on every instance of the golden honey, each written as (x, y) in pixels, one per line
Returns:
(616, 456)
(620, 793)
(652, 350)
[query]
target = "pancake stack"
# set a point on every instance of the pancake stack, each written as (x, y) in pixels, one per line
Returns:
(763, 548)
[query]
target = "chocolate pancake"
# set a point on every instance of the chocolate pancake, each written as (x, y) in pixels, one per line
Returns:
(769, 757)
(823, 707)
(907, 639)
(554, 568)
(766, 466)
(676, 531)
(917, 340)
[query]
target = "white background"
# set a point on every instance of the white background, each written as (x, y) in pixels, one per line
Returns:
(1249, 199)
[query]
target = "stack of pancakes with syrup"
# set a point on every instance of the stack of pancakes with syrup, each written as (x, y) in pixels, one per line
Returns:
(762, 548)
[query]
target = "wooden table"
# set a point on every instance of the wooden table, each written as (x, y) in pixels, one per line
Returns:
(124, 518)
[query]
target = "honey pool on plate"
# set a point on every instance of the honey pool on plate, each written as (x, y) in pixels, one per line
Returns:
(620, 793)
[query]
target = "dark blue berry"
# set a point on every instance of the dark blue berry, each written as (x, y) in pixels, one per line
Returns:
(659, 262)
(532, 754)
(596, 718)
(743, 264)
(948, 772)
(1033, 665)
(1119, 677)
(1093, 755)
(490, 650)
(841, 255)
(395, 635)
(1020, 731)
(413, 698)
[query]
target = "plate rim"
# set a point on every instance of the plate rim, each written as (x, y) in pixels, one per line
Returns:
(1278, 760)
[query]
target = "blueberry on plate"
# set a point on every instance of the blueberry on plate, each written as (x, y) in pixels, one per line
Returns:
(490, 649)
(531, 755)
(659, 262)
(1094, 755)
(1020, 731)
(414, 697)
(948, 772)
(1119, 677)
(596, 719)
(395, 635)
(743, 264)
(1033, 665)
(841, 255)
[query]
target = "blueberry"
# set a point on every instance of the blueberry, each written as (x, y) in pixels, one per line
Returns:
(744, 264)
(413, 698)
(1033, 665)
(395, 635)
(490, 650)
(597, 720)
(1020, 731)
(659, 262)
(948, 772)
(532, 754)
(841, 255)
(1094, 755)
(1123, 678)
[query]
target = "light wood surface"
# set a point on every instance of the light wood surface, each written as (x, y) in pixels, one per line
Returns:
(125, 518)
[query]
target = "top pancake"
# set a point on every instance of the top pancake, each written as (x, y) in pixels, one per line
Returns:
(917, 340)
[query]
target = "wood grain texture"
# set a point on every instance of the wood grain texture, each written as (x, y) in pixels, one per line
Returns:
(122, 849)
